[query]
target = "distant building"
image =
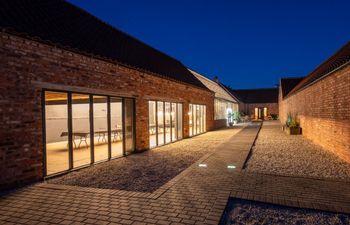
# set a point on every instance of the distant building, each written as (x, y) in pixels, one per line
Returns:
(224, 103)
(258, 104)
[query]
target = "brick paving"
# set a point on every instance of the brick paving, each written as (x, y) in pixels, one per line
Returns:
(196, 196)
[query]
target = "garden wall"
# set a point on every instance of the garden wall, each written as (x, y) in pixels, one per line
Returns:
(323, 110)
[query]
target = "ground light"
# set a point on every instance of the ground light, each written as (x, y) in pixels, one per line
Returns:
(202, 165)
(231, 167)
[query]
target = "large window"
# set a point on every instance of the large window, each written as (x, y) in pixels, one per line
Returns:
(81, 129)
(197, 119)
(165, 122)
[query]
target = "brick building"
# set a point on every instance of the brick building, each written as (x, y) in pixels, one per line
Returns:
(224, 103)
(76, 91)
(258, 104)
(321, 103)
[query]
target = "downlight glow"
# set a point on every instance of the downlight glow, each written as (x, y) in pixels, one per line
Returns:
(231, 167)
(202, 165)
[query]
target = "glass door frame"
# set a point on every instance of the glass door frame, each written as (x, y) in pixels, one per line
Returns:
(202, 109)
(91, 120)
(164, 127)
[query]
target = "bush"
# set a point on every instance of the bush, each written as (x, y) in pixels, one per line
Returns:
(274, 116)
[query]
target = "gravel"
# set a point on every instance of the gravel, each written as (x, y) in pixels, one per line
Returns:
(255, 213)
(147, 171)
(275, 152)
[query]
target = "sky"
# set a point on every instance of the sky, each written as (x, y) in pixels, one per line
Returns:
(247, 44)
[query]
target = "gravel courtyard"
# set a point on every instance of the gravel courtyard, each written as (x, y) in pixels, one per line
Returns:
(249, 212)
(278, 153)
(149, 170)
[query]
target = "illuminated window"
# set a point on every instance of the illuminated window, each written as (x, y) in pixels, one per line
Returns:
(197, 119)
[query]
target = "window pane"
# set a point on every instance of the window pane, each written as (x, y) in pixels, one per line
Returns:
(194, 111)
(160, 115)
(179, 121)
(173, 122)
(167, 122)
(100, 128)
(56, 122)
(190, 119)
(205, 118)
(116, 127)
(152, 124)
(129, 127)
(81, 129)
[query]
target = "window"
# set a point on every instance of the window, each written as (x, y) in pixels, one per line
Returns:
(197, 119)
(81, 129)
(129, 125)
(165, 122)
(100, 128)
(56, 124)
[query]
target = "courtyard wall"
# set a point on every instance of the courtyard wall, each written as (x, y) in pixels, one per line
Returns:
(323, 110)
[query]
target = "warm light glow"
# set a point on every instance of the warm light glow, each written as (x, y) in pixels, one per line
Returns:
(231, 167)
(202, 165)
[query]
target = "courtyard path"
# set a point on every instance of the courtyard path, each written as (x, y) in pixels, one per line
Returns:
(198, 195)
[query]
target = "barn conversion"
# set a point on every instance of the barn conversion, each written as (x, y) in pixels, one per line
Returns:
(78, 91)
(224, 103)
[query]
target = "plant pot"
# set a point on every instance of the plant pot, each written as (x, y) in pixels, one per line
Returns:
(230, 124)
(292, 130)
(235, 122)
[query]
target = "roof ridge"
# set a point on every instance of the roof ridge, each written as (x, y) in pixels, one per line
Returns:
(116, 29)
(329, 60)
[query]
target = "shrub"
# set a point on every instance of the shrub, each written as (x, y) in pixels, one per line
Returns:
(274, 116)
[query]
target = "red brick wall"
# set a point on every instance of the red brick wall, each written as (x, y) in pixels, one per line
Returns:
(324, 112)
(249, 109)
(28, 66)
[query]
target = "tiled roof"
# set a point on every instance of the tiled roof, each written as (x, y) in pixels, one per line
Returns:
(260, 95)
(340, 58)
(215, 87)
(65, 25)
(288, 83)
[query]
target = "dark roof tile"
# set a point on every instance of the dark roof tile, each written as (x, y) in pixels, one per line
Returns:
(61, 23)
(340, 58)
(260, 95)
(288, 83)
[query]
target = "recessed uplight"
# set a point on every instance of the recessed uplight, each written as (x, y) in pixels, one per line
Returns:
(231, 167)
(202, 165)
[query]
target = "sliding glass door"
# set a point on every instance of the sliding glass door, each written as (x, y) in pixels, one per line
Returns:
(81, 129)
(197, 119)
(165, 122)
(56, 121)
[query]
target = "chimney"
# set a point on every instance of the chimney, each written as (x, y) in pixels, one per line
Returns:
(216, 79)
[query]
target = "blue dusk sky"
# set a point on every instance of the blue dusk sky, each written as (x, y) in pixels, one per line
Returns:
(247, 44)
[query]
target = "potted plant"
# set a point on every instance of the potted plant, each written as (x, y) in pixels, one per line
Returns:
(236, 117)
(292, 126)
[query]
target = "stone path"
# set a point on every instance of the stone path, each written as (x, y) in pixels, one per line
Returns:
(197, 196)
